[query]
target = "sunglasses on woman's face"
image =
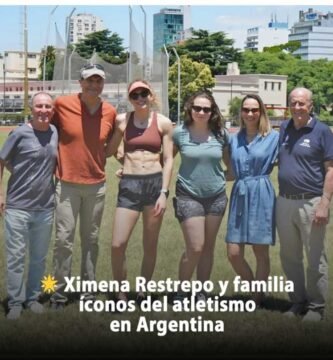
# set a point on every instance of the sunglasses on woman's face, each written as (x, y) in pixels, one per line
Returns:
(143, 94)
(91, 66)
(253, 110)
(205, 109)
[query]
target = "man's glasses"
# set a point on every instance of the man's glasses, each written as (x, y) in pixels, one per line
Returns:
(205, 109)
(253, 110)
(135, 95)
(92, 66)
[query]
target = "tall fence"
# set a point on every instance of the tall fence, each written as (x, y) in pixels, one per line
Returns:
(141, 64)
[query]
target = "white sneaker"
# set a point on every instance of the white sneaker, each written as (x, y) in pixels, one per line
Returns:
(14, 313)
(36, 307)
(295, 310)
(313, 315)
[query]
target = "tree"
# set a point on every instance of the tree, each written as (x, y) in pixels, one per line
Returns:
(234, 108)
(50, 60)
(194, 76)
(108, 45)
(316, 75)
(215, 50)
(290, 47)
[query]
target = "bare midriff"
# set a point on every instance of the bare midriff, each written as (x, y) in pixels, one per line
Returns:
(141, 162)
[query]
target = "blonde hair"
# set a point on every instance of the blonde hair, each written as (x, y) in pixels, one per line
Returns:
(264, 126)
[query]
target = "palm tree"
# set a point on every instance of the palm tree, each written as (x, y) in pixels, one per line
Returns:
(50, 60)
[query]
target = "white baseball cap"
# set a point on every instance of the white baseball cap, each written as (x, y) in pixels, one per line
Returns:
(93, 69)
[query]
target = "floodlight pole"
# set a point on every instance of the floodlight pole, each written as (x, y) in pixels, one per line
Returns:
(166, 82)
(144, 43)
(65, 53)
(46, 44)
(178, 107)
(70, 69)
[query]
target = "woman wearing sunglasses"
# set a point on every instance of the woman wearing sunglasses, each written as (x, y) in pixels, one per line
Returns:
(253, 152)
(144, 183)
(200, 200)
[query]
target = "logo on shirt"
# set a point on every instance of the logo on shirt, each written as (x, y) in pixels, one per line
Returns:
(305, 143)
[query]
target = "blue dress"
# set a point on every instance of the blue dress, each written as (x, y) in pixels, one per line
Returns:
(251, 210)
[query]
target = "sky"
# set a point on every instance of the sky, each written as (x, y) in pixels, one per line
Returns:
(234, 20)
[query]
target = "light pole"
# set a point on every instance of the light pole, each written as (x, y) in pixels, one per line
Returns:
(129, 71)
(4, 88)
(144, 43)
(70, 69)
(178, 107)
(46, 45)
(165, 84)
(65, 52)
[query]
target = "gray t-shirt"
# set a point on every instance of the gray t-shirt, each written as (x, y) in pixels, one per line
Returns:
(200, 172)
(31, 156)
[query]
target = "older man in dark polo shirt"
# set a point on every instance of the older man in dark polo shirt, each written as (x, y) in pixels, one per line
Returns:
(306, 187)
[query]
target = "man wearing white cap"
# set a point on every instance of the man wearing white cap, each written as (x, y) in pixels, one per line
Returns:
(85, 124)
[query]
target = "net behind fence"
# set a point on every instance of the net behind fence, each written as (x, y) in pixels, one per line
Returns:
(141, 64)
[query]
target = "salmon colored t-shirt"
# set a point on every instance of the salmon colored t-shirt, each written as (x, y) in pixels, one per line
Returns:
(82, 137)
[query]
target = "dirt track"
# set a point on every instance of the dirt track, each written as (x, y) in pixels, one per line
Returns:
(6, 129)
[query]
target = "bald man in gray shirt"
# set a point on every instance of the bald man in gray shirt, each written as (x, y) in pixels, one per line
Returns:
(29, 153)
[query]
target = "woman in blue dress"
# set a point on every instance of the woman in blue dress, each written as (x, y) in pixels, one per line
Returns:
(253, 152)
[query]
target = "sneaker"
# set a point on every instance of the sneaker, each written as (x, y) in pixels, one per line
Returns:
(139, 298)
(57, 306)
(295, 310)
(87, 297)
(36, 307)
(201, 296)
(179, 297)
(314, 315)
(14, 313)
(121, 296)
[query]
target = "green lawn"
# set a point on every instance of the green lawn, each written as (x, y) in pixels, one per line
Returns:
(262, 333)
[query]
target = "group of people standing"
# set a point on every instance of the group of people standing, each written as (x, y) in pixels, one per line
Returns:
(145, 143)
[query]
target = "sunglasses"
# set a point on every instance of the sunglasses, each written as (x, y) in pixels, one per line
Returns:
(143, 94)
(92, 66)
(247, 110)
(205, 109)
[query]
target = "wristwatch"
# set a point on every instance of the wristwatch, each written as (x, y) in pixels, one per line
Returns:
(165, 192)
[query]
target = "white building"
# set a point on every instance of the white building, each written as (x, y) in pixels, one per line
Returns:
(274, 34)
(271, 88)
(81, 25)
(315, 32)
(12, 63)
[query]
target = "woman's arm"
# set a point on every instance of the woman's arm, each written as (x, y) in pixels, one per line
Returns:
(167, 150)
(113, 145)
(229, 174)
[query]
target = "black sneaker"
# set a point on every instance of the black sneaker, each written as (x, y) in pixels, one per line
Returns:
(179, 297)
(139, 298)
(200, 296)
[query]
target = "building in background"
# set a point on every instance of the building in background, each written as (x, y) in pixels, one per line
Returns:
(83, 24)
(168, 27)
(315, 32)
(271, 88)
(274, 34)
(12, 66)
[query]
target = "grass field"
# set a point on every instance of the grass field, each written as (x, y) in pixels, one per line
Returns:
(262, 333)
